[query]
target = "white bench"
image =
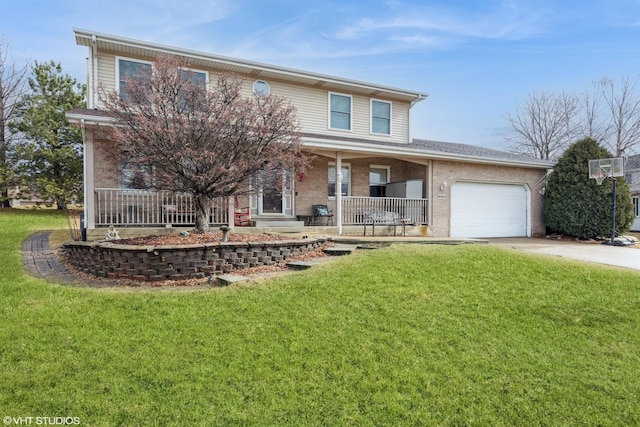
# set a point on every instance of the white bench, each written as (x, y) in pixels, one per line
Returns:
(374, 218)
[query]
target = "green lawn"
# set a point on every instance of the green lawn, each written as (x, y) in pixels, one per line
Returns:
(408, 335)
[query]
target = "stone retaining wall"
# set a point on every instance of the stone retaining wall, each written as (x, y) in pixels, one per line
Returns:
(156, 263)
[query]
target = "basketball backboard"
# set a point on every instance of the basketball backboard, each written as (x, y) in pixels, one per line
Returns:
(599, 169)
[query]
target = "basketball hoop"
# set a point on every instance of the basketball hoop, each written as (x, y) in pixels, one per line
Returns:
(599, 169)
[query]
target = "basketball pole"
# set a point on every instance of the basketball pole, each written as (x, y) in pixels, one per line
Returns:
(613, 211)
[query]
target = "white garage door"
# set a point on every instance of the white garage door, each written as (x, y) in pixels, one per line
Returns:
(488, 210)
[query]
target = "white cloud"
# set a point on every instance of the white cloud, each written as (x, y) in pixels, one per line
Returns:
(507, 20)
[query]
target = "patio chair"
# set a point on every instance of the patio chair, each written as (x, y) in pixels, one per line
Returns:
(321, 211)
(241, 215)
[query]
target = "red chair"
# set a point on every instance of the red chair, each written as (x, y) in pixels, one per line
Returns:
(241, 215)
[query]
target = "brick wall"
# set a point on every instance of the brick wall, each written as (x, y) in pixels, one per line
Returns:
(144, 263)
(453, 172)
(314, 189)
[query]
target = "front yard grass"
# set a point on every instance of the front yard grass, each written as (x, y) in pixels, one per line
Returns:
(406, 335)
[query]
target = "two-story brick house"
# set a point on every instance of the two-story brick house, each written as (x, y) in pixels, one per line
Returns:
(358, 133)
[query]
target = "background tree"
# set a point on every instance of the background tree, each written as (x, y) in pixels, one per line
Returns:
(578, 206)
(623, 107)
(50, 157)
(608, 112)
(210, 144)
(544, 125)
(13, 85)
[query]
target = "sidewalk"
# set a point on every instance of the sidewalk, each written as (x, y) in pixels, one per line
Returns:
(40, 261)
(619, 256)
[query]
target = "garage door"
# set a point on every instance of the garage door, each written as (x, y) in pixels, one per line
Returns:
(488, 210)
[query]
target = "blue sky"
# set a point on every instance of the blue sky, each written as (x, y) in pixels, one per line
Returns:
(477, 59)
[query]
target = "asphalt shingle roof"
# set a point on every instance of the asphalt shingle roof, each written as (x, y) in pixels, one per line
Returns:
(471, 150)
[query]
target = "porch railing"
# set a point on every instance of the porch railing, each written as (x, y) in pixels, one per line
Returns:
(354, 209)
(125, 207)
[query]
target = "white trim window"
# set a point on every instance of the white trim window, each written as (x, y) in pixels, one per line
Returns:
(379, 175)
(134, 174)
(340, 111)
(198, 77)
(127, 67)
(261, 88)
(380, 117)
(346, 179)
(636, 205)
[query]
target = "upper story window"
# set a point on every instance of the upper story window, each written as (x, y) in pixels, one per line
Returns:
(199, 81)
(132, 69)
(261, 88)
(197, 77)
(339, 111)
(380, 117)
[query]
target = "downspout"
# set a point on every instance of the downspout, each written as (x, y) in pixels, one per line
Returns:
(339, 191)
(94, 79)
(430, 194)
(414, 102)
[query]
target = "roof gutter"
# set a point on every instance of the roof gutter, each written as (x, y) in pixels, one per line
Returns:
(88, 36)
(398, 150)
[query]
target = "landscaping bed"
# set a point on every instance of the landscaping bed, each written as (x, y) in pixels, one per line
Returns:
(187, 257)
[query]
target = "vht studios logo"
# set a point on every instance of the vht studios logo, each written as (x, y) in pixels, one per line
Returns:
(42, 421)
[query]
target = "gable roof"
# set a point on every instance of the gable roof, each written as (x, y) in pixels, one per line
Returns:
(125, 46)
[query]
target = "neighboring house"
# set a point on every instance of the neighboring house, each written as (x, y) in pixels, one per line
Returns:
(632, 175)
(358, 128)
(22, 197)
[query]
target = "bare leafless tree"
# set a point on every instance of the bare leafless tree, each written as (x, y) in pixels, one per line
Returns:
(593, 123)
(544, 125)
(622, 101)
(213, 143)
(13, 85)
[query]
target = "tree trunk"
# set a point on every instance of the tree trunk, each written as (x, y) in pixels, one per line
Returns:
(202, 214)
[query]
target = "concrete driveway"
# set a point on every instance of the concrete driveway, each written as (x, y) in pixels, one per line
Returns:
(620, 256)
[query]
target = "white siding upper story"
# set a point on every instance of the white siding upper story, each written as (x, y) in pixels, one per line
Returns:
(312, 101)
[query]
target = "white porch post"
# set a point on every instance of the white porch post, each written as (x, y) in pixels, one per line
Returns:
(89, 184)
(339, 191)
(230, 214)
(429, 179)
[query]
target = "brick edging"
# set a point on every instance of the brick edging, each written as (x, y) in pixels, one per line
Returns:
(157, 263)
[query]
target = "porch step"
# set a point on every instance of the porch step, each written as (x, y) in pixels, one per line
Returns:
(275, 223)
(230, 279)
(339, 250)
(300, 265)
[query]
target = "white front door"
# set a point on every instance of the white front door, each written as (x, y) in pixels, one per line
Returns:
(276, 202)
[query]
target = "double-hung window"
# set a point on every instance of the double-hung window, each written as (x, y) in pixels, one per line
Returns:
(339, 111)
(198, 78)
(199, 81)
(380, 117)
(346, 179)
(129, 68)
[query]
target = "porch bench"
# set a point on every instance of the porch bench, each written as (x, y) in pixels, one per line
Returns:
(387, 218)
(173, 214)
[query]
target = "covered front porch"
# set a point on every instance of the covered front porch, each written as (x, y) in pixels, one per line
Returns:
(145, 209)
